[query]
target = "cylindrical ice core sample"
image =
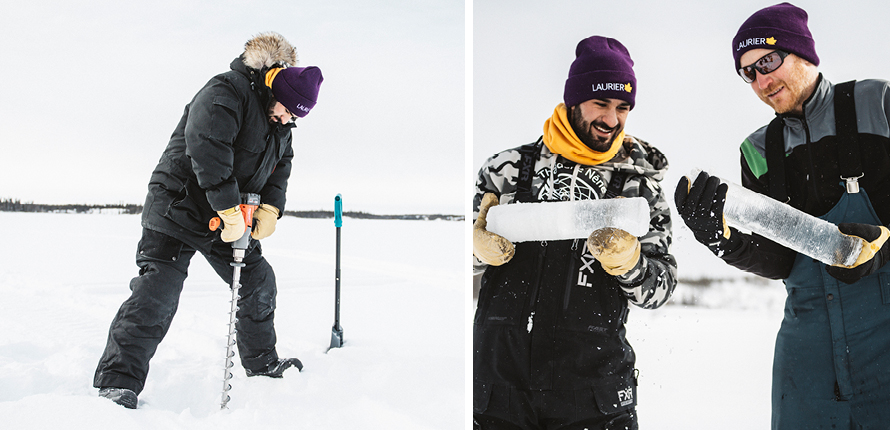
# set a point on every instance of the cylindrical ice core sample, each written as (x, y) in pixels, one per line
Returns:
(789, 227)
(523, 222)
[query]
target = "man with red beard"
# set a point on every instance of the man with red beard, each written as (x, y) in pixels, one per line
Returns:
(549, 336)
(825, 153)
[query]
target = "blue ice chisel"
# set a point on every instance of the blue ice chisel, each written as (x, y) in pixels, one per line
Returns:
(337, 331)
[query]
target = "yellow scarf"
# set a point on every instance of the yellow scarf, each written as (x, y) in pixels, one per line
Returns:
(562, 140)
(271, 74)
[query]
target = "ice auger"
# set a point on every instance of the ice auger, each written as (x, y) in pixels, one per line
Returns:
(250, 202)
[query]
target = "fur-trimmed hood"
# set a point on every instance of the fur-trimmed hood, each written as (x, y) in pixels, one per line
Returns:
(268, 49)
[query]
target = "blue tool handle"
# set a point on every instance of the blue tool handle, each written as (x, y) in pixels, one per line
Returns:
(338, 211)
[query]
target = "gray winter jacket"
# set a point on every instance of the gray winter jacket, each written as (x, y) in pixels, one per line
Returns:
(812, 173)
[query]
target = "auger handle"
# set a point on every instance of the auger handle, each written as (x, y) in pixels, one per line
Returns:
(250, 205)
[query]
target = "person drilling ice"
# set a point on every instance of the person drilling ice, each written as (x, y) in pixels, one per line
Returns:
(825, 153)
(234, 140)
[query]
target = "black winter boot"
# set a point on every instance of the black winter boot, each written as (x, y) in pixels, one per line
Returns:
(276, 368)
(121, 396)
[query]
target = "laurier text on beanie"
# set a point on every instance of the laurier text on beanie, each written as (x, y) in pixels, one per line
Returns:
(782, 26)
(602, 70)
(297, 88)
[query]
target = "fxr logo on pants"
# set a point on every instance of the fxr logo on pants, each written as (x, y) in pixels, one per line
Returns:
(626, 396)
(586, 266)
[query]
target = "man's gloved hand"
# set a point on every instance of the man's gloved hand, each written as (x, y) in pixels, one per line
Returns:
(264, 219)
(875, 252)
(701, 207)
(233, 224)
(488, 247)
(617, 250)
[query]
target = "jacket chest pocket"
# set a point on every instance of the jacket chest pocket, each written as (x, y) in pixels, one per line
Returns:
(249, 149)
(593, 311)
(507, 291)
(594, 302)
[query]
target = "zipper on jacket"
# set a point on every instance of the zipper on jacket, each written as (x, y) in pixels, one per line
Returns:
(572, 186)
(570, 275)
(553, 163)
(533, 295)
(810, 149)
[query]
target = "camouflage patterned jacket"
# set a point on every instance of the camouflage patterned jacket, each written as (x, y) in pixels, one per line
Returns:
(551, 318)
(651, 283)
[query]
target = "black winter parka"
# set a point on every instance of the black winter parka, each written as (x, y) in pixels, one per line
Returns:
(223, 146)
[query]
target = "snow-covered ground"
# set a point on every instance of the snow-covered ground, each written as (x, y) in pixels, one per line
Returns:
(405, 313)
(705, 358)
(703, 368)
(63, 276)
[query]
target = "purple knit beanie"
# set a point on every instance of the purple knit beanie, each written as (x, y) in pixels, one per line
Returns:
(602, 70)
(783, 26)
(297, 88)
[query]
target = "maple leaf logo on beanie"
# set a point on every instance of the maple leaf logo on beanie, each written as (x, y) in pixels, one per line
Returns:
(602, 66)
(782, 26)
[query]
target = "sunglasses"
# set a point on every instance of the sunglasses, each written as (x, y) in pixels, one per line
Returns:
(765, 65)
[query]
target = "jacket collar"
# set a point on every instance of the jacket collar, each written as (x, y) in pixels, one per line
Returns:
(820, 99)
(816, 103)
(256, 78)
(636, 156)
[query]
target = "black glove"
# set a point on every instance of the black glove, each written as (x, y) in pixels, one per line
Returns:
(701, 207)
(874, 253)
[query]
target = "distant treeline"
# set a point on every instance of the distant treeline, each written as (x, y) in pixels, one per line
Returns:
(363, 215)
(10, 205)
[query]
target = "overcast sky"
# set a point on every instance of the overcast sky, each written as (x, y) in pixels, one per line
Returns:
(690, 102)
(91, 91)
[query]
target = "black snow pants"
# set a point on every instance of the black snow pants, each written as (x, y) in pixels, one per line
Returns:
(514, 409)
(144, 318)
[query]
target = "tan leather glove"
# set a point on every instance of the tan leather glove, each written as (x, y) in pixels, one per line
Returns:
(233, 224)
(617, 250)
(264, 219)
(874, 255)
(488, 247)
